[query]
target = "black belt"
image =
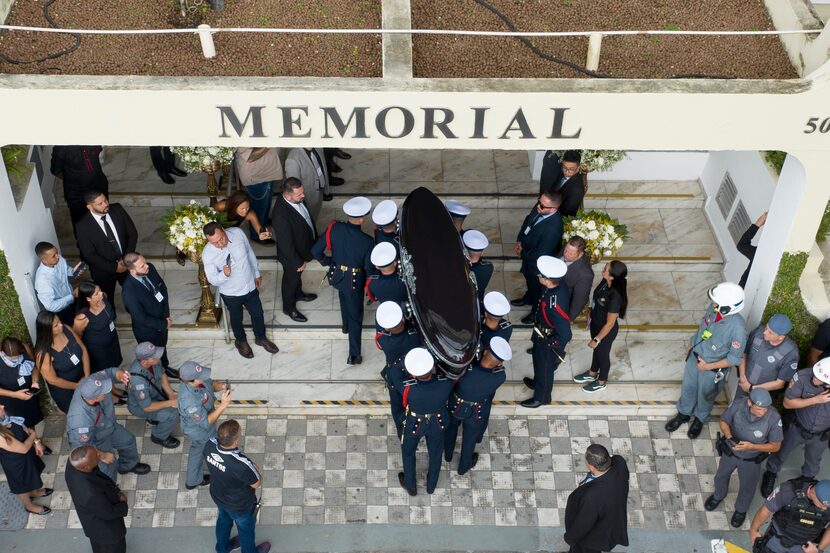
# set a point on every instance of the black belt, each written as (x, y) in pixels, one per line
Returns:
(472, 403)
(353, 270)
(810, 432)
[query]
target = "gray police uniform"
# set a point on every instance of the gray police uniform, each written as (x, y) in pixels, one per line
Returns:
(808, 426)
(195, 404)
(765, 362)
(747, 428)
(95, 425)
(146, 388)
(713, 341)
(795, 519)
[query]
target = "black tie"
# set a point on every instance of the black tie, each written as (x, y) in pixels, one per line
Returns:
(111, 236)
(148, 285)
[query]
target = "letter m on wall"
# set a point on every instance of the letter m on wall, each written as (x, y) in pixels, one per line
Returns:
(254, 116)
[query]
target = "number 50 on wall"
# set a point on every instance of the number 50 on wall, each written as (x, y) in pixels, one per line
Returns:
(813, 125)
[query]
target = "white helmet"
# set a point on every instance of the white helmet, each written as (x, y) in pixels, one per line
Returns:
(821, 370)
(728, 296)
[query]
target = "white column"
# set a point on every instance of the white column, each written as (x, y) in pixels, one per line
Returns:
(536, 158)
(794, 215)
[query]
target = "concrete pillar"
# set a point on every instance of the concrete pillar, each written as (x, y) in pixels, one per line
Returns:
(794, 215)
(397, 49)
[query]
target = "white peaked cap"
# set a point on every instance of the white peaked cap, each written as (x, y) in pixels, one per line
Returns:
(418, 362)
(500, 348)
(551, 267)
(358, 206)
(496, 304)
(457, 208)
(383, 254)
(389, 314)
(384, 213)
(475, 240)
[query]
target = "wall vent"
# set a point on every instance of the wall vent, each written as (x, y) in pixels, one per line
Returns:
(739, 223)
(727, 192)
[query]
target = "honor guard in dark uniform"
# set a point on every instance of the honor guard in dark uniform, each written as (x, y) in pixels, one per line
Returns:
(90, 420)
(718, 344)
(150, 397)
(199, 413)
(348, 262)
(425, 407)
(385, 217)
(395, 339)
(551, 331)
(470, 402)
(387, 286)
(770, 359)
(496, 307)
(808, 397)
(750, 432)
(458, 213)
(476, 243)
(800, 519)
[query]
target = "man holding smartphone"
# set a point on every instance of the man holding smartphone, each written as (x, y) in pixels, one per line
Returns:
(53, 286)
(233, 484)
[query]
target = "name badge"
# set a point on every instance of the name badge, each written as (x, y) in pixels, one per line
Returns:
(159, 297)
(527, 230)
(112, 326)
(21, 381)
(74, 359)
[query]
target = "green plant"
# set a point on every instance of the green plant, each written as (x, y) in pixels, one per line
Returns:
(264, 21)
(776, 159)
(824, 225)
(14, 158)
(785, 298)
(671, 26)
(567, 3)
(12, 322)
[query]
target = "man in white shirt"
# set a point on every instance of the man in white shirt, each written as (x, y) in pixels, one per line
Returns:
(52, 285)
(231, 266)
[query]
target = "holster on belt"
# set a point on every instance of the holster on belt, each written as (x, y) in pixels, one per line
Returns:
(760, 545)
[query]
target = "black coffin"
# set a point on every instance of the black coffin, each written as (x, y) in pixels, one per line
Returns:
(436, 272)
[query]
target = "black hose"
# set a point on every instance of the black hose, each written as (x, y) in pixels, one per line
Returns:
(585, 71)
(75, 43)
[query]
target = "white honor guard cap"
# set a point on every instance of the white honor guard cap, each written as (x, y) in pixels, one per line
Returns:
(384, 213)
(500, 348)
(418, 362)
(475, 240)
(457, 209)
(358, 206)
(383, 254)
(389, 314)
(496, 304)
(551, 267)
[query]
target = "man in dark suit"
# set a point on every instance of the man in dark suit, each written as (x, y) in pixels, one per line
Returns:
(101, 506)
(564, 177)
(295, 233)
(746, 248)
(596, 513)
(104, 235)
(540, 234)
(146, 299)
(580, 275)
(80, 169)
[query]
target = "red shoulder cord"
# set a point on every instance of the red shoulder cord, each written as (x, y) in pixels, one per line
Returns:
(369, 292)
(377, 341)
(328, 236)
(406, 396)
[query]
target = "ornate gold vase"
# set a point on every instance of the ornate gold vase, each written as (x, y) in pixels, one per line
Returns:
(209, 314)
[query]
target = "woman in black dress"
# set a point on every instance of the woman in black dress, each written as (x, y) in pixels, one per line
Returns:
(19, 381)
(61, 357)
(95, 324)
(609, 304)
(20, 457)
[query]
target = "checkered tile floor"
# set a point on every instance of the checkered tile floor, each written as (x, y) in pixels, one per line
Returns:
(343, 470)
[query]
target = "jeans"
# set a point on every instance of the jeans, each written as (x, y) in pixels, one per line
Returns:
(253, 304)
(260, 197)
(245, 526)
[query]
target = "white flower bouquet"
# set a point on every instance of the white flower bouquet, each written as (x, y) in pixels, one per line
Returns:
(604, 234)
(203, 158)
(183, 227)
(598, 160)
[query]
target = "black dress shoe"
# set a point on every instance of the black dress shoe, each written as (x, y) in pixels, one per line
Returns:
(529, 382)
(768, 482)
(267, 345)
(336, 168)
(166, 178)
(354, 360)
(712, 503)
(675, 422)
(171, 372)
(475, 460)
(738, 519)
(529, 350)
(178, 172)
(531, 403)
(327, 197)
(518, 302)
(528, 319)
(410, 491)
(168, 443)
(344, 329)
(205, 481)
(244, 349)
(448, 457)
(297, 316)
(694, 429)
(336, 181)
(430, 490)
(342, 154)
(139, 468)
(306, 297)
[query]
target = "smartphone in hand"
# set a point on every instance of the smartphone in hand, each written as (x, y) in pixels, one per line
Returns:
(33, 391)
(80, 269)
(228, 260)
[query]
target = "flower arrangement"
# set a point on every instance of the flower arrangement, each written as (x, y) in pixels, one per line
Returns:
(604, 234)
(598, 160)
(203, 158)
(183, 226)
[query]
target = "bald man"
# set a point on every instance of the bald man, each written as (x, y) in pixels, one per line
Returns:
(100, 504)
